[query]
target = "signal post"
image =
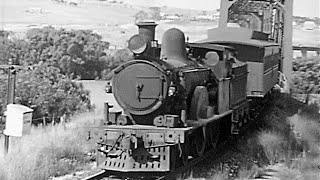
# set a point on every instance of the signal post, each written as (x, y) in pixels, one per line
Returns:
(16, 115)
(10, 94)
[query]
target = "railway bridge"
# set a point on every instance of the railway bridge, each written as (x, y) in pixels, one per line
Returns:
(304, 49)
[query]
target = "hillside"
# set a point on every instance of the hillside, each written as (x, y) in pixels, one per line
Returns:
(113, 21)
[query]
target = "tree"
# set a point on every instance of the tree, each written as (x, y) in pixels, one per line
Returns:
(115, 58)
(77, 52)
(58, 57)
(3, 91)
(306, 76)
(49, 92)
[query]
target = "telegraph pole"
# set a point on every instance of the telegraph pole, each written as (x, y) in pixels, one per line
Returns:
(11, 84)
(10, 94)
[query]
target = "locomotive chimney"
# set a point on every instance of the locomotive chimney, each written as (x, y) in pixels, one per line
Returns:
(147, 30)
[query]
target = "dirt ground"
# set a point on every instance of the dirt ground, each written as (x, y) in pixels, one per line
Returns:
(98, 96)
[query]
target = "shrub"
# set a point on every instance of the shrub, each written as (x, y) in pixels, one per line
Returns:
(273, 145)
(49, 92)
(306, 76)
(306, 130)
(75, 53)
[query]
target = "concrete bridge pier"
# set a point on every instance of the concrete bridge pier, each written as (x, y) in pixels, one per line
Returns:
(304, 53)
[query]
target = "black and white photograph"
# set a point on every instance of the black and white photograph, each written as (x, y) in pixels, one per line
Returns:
(160, 89)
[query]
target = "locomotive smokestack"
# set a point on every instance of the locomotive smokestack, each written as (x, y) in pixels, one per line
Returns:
(173, 48)
(147, 30)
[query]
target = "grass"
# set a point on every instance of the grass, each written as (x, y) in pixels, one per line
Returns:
(301, 147)
(49, 152)
(59, 150)
(216, 176)
(306, 130)
(273, 144)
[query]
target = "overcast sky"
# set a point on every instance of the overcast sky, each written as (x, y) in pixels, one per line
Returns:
(309, 8)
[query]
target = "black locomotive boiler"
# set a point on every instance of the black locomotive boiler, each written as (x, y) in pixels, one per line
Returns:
(179, 99)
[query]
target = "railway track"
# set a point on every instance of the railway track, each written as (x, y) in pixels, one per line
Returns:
(97, 176)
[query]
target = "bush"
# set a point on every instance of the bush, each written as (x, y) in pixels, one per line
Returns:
(114, 59)
(306, 130)
(75, 52)
(273, 145)
(57, 57)
(306, 75)
(48, 92)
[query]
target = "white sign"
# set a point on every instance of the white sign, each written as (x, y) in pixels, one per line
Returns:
(18, 120)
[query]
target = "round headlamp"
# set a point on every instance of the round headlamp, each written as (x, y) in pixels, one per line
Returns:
(137, 44)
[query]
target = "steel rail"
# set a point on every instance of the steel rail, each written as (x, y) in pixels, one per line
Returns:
(97, 176)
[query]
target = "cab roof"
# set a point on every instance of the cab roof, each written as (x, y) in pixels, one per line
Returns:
(236, 35)
(216, 47)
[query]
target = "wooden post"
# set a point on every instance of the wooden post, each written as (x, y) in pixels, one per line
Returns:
(6, 144)
(53, 120)
(63, 120)
(11, 91)
(10, 99)
(44, 121)
(11, 85)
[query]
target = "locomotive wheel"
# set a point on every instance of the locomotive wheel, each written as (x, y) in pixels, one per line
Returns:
(213, 134)
(199, 103)
(199, 141)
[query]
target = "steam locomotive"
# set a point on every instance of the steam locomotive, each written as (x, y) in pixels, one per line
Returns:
(179, 99)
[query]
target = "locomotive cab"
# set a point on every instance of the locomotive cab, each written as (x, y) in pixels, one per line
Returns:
(228, 70)
(218, 58)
